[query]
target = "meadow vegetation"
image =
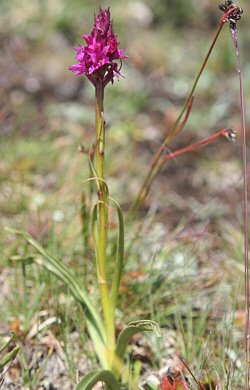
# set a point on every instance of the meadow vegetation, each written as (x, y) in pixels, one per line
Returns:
(184, 259)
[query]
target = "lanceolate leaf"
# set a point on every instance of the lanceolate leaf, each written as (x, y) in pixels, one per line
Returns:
(93, 320)
(150, 386)
(11, 355)
(93, 377)
(119, 258)
(126, 334)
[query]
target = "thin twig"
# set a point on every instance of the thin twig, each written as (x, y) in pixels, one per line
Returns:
(244, 157)
(222, 21)
(137, 202)
(229, 133)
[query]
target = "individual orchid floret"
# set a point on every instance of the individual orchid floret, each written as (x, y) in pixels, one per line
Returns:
(96, 60)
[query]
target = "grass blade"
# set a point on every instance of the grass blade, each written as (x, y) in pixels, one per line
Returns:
(93, 320)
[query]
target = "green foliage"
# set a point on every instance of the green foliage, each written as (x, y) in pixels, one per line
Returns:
(30, 376)
(10, 355)
(93, 377)
(94, 322)
(132, 329)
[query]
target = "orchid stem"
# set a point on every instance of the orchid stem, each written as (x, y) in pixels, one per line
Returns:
(103, 220)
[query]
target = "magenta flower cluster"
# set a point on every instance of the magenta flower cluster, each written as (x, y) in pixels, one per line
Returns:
(96, 59)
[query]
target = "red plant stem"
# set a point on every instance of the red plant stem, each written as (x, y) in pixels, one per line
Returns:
(137, 201)
(196, 145)
(222, 21)
(190, 372)
(244, 157)
(189, 148)
(245, 225)
(136, 204)
(159, 153)
(190, 104)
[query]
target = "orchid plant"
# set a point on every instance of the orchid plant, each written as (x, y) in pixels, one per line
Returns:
(97, 61)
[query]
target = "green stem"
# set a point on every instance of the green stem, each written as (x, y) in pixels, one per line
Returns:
(103, 220)
(25, 306)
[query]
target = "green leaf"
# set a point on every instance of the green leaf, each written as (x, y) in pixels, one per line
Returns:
(126, 334)
(29, 259)
(150, 326)
(150, 386)
(93, 377)
(119, 259)
(11, 355)
(8, 342)
(94, 322)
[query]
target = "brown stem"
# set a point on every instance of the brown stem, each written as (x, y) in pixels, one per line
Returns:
(189, 148)
(137, 202)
